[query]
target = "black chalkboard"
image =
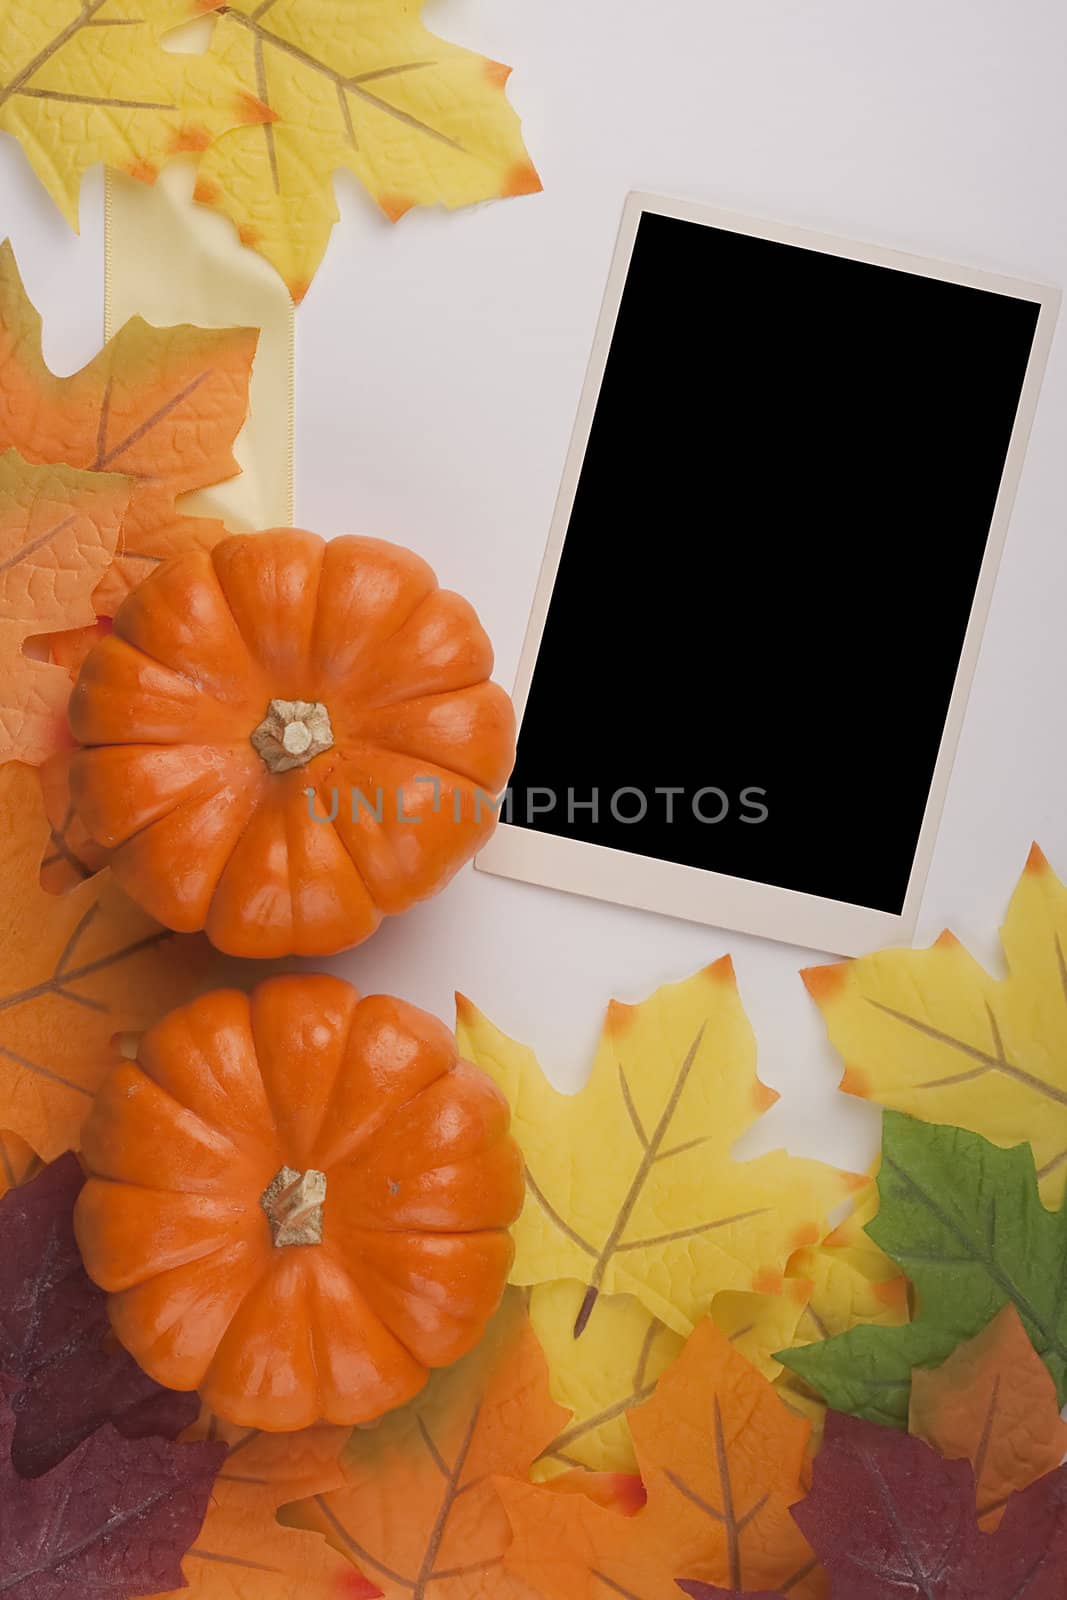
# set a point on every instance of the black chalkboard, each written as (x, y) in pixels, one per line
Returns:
(771, 561)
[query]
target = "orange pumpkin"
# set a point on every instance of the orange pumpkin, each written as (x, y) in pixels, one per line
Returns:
(248, 696)
(298, 1202)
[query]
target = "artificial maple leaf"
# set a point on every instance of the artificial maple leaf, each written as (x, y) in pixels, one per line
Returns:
(54, 1335)
(598, 1378)
(111, 1521)
(418, 120)
(759, 1324)
(1026, 1558)
(929, 1032)
(419, 1514)
(965, 1221)
(78, 970)
(850, 1242)
(58, 533)
(722, 1461)
(162, 405)
(242, 1552)
(830, 1288)
(85, 81)
(911, 1531)
(631, 1185)
(71, 855)
(18, 1163)
(992, 1403)
(70, 648)
(841, 1297)
(616, 1491)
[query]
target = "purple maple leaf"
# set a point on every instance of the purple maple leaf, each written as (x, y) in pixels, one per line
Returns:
(113, 1520)
(55, 1340)
(890, 1520)
(1026, 1557)
(886, 1515)
(707, 1591)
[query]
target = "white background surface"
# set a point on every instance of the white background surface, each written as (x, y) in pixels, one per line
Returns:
(440, 362)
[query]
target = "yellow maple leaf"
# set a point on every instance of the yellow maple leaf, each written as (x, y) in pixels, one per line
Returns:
(842, 1297)
(850, 1279)
(631, 1183)
(759, 1324)
(929, 1032)
(368, 88)
(85, 81)
(851, 1242)
(598, 1378)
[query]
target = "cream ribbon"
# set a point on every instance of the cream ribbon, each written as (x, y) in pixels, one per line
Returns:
(170, 261)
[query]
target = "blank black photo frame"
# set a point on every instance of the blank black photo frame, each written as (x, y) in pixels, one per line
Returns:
(772, 558)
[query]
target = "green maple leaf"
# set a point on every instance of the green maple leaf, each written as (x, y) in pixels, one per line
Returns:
(965, 1222)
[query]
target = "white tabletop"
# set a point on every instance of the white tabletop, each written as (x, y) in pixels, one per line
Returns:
(440, 364)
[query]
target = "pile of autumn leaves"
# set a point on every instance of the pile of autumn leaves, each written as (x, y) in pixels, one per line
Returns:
(588, 1450)
(646, 1408)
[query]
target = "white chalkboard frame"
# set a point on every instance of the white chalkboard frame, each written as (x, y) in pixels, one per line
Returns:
(692, 893)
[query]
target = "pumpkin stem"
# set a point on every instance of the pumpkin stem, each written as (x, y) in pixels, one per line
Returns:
(293, 1202)
(292, 733)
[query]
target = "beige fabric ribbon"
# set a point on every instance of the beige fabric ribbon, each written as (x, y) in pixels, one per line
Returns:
(169, 261)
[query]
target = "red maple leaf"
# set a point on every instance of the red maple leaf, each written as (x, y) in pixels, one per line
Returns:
(112, 1521)
(66, 1377)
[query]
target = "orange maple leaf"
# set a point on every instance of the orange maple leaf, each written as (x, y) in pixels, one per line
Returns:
(77, 972)
(58, 533)
(722, 1461)
(419, 1515)
(70, 648)
(617, 1491)
(242, 1550)
(993, 1403)
(71, 855)
(162, 405)
(18, 1163)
